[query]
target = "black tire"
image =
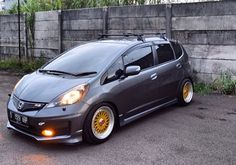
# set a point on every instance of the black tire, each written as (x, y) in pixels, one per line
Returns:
(90, 133)
(185, 97)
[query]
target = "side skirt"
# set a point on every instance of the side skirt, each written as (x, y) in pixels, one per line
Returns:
(124, 121)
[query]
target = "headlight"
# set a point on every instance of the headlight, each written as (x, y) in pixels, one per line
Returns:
(73, 96)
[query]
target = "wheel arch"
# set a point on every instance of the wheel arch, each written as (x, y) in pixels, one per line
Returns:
(186, 77)
(113, 105)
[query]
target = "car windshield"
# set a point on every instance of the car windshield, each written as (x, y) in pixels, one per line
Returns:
(88, 58)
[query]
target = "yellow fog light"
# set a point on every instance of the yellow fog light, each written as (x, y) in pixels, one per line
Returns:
(48, 132)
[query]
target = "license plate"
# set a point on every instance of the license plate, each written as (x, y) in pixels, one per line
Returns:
(19, 119)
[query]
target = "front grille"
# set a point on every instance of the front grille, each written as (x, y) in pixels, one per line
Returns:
(23, 106)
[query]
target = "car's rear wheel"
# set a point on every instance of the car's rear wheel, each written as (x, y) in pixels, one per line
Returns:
(185, 92)
(99, 124)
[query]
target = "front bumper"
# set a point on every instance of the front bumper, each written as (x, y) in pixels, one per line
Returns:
(67, 124)
(70, 139)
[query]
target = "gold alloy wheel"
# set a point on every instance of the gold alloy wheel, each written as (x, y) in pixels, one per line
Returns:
(103, 122)
(188, 92)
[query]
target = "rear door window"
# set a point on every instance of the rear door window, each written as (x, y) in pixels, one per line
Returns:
(142, 57)
(177, 48)
(164, 53)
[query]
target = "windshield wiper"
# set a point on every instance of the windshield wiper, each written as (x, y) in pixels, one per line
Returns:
(68, 73)
(56, 72)
(85, 73)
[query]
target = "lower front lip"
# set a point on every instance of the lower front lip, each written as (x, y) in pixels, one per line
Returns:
(73, 138)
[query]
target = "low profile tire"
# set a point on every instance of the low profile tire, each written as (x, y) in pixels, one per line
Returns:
(99, 124)
(185, 95)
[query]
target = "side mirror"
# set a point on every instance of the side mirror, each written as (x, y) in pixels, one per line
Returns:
(132, 70)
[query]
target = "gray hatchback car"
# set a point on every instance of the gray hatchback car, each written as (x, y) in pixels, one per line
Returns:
(87, 91)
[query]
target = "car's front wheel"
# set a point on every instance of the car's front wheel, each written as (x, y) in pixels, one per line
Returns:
(185, 92)
(99, 124)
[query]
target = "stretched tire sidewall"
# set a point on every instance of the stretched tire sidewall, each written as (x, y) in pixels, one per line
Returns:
(181, 99)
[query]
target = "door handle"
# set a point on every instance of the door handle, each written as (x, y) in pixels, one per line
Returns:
(178, 66)
(153, 76)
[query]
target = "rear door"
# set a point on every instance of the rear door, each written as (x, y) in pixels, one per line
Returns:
(169, 73)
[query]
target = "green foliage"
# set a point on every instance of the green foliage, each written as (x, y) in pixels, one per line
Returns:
(3, 12)
(202, 88)
(26, 66)
(225, 84)
(74, 4)
(32, 6)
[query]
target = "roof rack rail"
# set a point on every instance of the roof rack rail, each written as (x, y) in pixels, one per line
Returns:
(139, 36)
(161, 35)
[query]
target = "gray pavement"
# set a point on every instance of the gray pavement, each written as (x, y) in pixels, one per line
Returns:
(201, 133)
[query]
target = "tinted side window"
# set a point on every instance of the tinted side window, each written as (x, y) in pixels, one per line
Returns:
(164, 53)
(115, 71)
(142, 57)
(177, 49)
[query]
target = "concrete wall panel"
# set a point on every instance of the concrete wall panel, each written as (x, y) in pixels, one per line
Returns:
(46, 16)
(83, 24)
(137, 11)
(82, 35)
(227, 22)
(208, 37)
(149, 23)
(204, 9)
(93, 13)
(213, 52)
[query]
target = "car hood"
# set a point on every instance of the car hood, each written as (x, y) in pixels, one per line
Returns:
(39, 87)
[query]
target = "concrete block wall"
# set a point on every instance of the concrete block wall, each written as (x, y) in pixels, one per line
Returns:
(136, 19)
(9, 35)
(80, 26)
(46, 33)
(208, 30)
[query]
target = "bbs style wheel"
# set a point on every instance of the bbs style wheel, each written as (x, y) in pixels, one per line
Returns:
(99, 124)
(185, 95)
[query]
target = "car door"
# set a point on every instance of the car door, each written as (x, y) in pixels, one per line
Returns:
(169, 72)
(131, 94)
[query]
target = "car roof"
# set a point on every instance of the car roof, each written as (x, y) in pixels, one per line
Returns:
(134, 41)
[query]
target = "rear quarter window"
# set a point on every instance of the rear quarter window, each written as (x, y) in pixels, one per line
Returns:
(177, 48)
(164, 53)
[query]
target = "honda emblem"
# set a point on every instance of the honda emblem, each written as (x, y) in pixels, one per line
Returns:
(20, 105)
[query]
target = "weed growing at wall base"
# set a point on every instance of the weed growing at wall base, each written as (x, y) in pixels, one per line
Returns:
(202, 88)
(26, 66)
(225, 84)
